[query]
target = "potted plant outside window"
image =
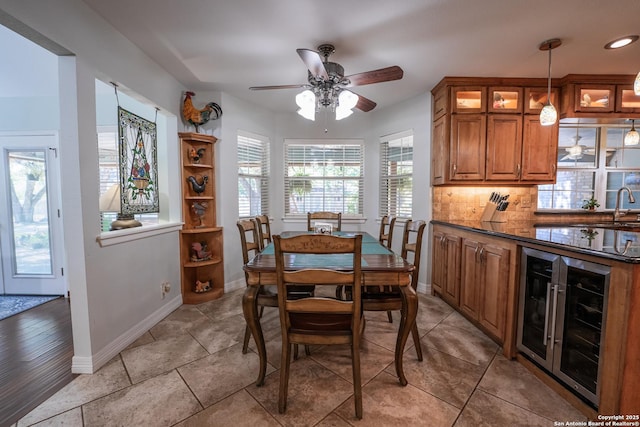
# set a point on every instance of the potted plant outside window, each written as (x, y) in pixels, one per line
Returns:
(590, 204)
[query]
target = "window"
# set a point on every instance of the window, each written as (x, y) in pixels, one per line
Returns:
(324, 175)
(592, 161)
(396, 175)
(108, 155)
(253, 175)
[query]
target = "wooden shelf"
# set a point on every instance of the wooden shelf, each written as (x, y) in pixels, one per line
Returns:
(199, 217)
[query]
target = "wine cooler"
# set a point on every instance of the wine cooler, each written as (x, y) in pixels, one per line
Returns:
(562, 312)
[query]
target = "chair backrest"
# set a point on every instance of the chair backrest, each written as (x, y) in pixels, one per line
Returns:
(264, 230)
(412, 246)
(385, 237)
(249, 239)
(334, 217)
(319, 314)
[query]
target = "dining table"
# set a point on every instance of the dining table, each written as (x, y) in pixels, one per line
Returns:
(380, 266)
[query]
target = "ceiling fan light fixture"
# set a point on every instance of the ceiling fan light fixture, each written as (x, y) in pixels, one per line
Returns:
(306, 100)
(632, 137)
(549, 114)
(347, 101)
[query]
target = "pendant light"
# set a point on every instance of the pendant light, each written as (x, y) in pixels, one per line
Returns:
(549, 114)
(636, 85)
(632, 137)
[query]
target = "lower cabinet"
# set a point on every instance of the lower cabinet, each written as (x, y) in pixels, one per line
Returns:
(483, 284)
(476, 276)
(446, 266)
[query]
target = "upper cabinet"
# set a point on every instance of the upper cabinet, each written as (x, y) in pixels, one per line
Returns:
(599, 97)
(483, 132)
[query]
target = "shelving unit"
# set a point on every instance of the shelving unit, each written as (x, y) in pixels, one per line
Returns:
(201, 244)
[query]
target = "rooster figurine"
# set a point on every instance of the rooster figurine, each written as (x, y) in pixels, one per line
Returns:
(196, 117)
(197, 186)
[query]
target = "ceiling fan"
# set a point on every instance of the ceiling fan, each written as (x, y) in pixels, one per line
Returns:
(575, 151)
(327, 82)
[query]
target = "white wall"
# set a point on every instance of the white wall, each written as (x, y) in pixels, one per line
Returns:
(115, 291)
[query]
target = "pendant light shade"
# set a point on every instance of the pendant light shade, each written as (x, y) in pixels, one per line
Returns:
(549, 114)
(636, 85)
(632, 137)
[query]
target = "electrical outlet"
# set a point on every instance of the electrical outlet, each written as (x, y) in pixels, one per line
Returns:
(165, 288)
(525, 202)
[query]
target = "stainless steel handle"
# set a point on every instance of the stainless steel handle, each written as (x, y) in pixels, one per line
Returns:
(518, 170)
(556, 289)
(481, 252)
(546, 315)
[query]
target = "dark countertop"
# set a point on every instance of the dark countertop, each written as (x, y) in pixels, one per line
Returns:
(619, 245)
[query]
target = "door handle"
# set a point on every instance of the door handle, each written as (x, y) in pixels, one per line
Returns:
(546, 316)
(555, 313)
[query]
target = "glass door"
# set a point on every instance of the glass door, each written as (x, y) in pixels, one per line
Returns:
(30, 220)
(581, 318)
(538, 284)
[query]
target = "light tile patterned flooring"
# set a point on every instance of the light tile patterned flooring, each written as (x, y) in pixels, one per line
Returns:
(189, 370)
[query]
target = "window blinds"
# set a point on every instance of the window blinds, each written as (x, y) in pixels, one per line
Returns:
(396, 175)
(324, 176)
(253, 175)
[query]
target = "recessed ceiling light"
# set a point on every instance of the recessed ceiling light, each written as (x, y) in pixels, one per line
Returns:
(621, 42)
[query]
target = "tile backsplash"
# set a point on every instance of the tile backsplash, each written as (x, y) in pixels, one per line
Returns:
(468, 203)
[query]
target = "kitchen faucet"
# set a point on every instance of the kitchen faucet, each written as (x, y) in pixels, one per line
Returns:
(617, 213)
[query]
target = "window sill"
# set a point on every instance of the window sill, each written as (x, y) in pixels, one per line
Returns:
(110, 238)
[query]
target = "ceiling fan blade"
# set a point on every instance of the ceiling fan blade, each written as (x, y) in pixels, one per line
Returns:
(375, 76)
(278, 87)
(313, 61)
(364, 104)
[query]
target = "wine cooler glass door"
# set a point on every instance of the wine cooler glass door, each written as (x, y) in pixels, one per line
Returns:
(539, 280)
(579, 331)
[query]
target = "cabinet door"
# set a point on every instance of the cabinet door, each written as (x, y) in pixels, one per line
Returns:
(438, 262)
(439, 144)
(504, 136)
(469, 286)
(626, 100)
(494, 274)
(594, 98)
(451, 284)
(468, 147)
(469, 99)
(539, 151)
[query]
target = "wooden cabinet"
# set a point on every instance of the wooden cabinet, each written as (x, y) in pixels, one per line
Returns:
(504, 147)
(446, 266)
(468, 147)
(599, 97)
(475, 274)
(201, 243)
(539, 151)
(478, 136)
(483, 294)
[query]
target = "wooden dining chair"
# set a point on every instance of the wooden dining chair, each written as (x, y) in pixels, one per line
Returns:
(335, 218)
(264, 230)
(387, 224)
(250, 245)
(388, 298)
(319, 320)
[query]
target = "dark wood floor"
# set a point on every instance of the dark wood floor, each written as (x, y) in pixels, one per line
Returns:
(36, 348)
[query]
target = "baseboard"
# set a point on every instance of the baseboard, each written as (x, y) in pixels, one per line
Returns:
(235, 285)
(424, 288)
(89, 365)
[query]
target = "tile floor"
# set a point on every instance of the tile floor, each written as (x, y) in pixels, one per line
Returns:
(189, 370)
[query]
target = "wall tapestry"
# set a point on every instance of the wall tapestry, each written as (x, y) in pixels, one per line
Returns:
(138, 164)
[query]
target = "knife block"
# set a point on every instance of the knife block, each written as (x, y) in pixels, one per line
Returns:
(489, 211)
(498, 216)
